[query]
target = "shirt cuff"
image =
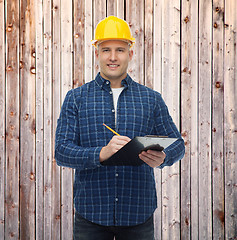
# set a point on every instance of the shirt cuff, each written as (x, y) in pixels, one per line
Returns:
(94, 158)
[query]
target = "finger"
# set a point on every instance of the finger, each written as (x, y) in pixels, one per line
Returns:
(146, 156)
(122, 138)
(148, 161)
(156, 153)
(153, 160)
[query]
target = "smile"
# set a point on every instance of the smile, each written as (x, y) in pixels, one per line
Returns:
(113, 65)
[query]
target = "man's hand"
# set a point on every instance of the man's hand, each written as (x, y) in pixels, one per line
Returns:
(116, 143)
(152, 158)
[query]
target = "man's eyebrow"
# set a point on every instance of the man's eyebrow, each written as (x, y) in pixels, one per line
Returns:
(110, 48)
(105, 48)
(121, 48)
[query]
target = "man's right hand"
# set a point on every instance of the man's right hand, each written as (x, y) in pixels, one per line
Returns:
(116, 143)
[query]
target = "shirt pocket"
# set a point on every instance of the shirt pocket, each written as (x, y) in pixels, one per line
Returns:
(137, 117)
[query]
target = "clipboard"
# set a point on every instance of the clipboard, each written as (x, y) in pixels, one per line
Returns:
(128, 154)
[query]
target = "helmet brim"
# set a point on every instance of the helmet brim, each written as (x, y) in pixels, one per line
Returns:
(96, 42)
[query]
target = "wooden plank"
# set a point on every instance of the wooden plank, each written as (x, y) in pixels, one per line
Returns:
(115, 8)
(112, 8)
(157, 40)
(79, 47)
(98, 15)
(135, 19)
(170, 93)
(56, 85)
(39, 113)
(205, 83)
(2, 119)
(150, 81)
(186, 50)
(89, 67)
(27, 123)
(194, 158)
(158, 211)
(218, 121)
(189, 120)
(12, 121)
(48, 137)
(170, 56)
(230, 120)
(148, 45)
(66, 71)
(157, 76)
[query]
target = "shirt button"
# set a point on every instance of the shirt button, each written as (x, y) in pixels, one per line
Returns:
(116, 199)
(110, 92)
(116, 175)
(113, 110)
(107, 82)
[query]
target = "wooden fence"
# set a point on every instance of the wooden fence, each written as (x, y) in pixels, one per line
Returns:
(184, 49)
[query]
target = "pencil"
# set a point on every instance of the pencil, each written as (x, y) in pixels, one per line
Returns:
(111, 129)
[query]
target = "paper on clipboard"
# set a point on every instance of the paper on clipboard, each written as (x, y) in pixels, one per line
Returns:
(128, 154)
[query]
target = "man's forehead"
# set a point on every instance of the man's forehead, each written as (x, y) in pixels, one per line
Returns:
(113, 43)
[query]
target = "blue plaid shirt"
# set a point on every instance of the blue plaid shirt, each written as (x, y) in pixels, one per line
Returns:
(112, 195)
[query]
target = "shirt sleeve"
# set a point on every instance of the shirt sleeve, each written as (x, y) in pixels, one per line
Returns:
(166, 127)
(68, 152)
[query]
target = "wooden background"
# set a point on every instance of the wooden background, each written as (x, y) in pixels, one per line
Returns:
(184, 49)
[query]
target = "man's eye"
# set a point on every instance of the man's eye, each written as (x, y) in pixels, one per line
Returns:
(105, 50)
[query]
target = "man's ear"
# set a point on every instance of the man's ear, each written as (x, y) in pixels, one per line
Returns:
(130, 54)
(97, 53)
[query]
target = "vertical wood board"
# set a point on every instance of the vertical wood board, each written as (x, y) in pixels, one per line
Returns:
(157, 80)
(115, 8)
(2, 119)
(186, 82)
(79, 48)
(12, 121)
(170, 93)
(135, 19)
(66, 81)
(57, 220)
(218, 121)
(189, 120)
(157, 45)
(97, 17)
(87, 40)
(47, 120)
(148, 44)
(230, 119)
(39, 109)
(27, 120)
(205, 83)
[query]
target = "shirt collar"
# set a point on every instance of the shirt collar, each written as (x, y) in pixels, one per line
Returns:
(103, 83)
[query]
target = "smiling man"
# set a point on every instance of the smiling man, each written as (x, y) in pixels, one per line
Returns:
(113, 201)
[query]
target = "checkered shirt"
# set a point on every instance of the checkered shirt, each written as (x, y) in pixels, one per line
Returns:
(112, 195)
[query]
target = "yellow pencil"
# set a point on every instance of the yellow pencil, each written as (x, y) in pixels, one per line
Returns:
(111, 129)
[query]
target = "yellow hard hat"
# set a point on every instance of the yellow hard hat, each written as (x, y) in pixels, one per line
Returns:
(113, 28)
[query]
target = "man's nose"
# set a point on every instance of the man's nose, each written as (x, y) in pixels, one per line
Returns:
(113, 56)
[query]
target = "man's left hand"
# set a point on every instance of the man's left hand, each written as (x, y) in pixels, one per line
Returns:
(152, 158)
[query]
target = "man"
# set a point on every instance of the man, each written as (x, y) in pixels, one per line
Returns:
(113, 201)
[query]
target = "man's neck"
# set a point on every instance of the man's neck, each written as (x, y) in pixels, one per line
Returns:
(114, 83)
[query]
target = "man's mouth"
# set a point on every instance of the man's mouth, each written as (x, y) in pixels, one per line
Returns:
(112, 65)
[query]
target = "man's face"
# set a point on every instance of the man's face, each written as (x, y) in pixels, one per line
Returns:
(113, 57)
